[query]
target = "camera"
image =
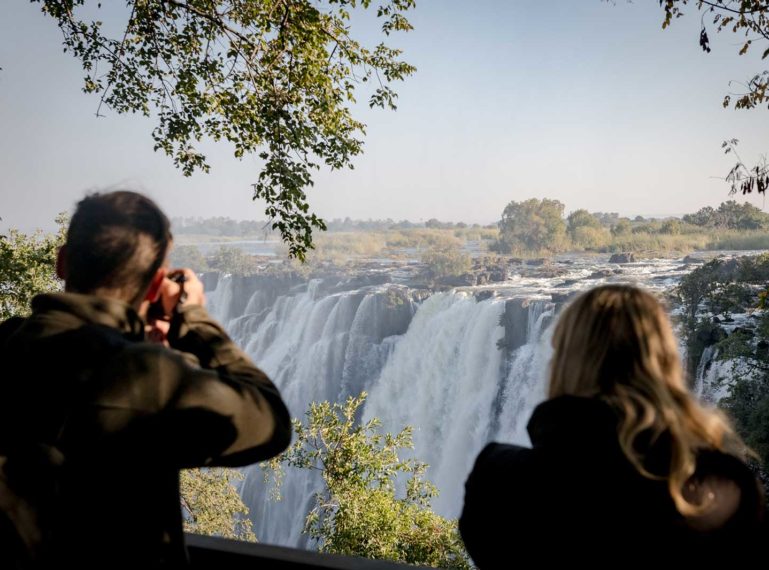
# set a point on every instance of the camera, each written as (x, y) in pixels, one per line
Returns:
(156, 310)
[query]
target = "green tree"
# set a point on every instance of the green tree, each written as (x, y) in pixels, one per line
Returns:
(591, 238)
(272, 77)
(586, 230)
(188, 256)
(532, 225)
(671, 227)
(697, 286)
(704, 217)
(359, 510)
(607, 219)
(28, 267)
(446, 261)
(212, 506)
(234, 261)
(581, 219)
(744, 216)
(623, 227)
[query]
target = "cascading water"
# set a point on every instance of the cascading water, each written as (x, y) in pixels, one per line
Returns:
(461, 371)
(443, 378)
(702, 379)
(524, 386)
(714, 376)
(436, 367)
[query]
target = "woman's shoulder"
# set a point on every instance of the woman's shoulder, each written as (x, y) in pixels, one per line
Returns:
(735, 492)
(501, 469)
(501, 461)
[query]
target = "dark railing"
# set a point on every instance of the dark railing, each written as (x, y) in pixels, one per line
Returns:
(222, 554)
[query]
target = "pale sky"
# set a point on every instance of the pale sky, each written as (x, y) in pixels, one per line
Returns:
(583, 101)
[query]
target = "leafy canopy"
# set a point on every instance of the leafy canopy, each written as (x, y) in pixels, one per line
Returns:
(749, 20)
(359, 510)
(212, 506)
(446, 260)
(273, 77)
(532, 225)
(28, 268)
(233, 260)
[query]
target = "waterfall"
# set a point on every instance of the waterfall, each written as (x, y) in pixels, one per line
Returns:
(437, 366)
(713, 381)
(443, 378)
(315, 346)
(525, 383)
(460, 371)
(702, 377)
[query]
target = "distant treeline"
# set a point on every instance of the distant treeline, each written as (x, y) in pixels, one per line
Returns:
(729, 215)
(541, 226)
(534, 227)
(222, 226)
(350, 225)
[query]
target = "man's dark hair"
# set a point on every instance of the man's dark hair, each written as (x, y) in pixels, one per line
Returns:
(116, 241)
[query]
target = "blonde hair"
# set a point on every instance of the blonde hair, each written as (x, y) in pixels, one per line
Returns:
(616, 343)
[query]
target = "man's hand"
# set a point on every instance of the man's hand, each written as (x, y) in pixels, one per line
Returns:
(170, 290)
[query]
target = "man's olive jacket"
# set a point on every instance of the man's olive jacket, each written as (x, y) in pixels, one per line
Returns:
(127, 415)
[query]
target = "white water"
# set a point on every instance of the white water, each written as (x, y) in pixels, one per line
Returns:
(715, 376)
(434, 365)
(442, 378)
(445, 377)
(525, 384)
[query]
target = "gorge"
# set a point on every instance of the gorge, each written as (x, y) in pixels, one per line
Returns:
(463, 366)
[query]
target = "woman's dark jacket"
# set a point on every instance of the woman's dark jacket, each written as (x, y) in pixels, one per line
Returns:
(574, 496)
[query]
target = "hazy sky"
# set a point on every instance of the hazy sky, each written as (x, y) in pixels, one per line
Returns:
(580, 100)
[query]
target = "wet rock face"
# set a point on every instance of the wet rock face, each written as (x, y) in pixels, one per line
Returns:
(210, 280)
(562, 298)
(484, 271)
(243, 286)
(626, 257)
(515, 320)
(748, 332)
(484, 295)
(464, 280)
(709, 336)
(392, 313)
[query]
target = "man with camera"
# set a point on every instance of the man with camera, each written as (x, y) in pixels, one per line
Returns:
(98, 419)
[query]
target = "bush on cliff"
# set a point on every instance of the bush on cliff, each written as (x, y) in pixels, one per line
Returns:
(359, 510)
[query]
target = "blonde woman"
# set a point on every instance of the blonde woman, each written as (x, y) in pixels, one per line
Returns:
(623, 459)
